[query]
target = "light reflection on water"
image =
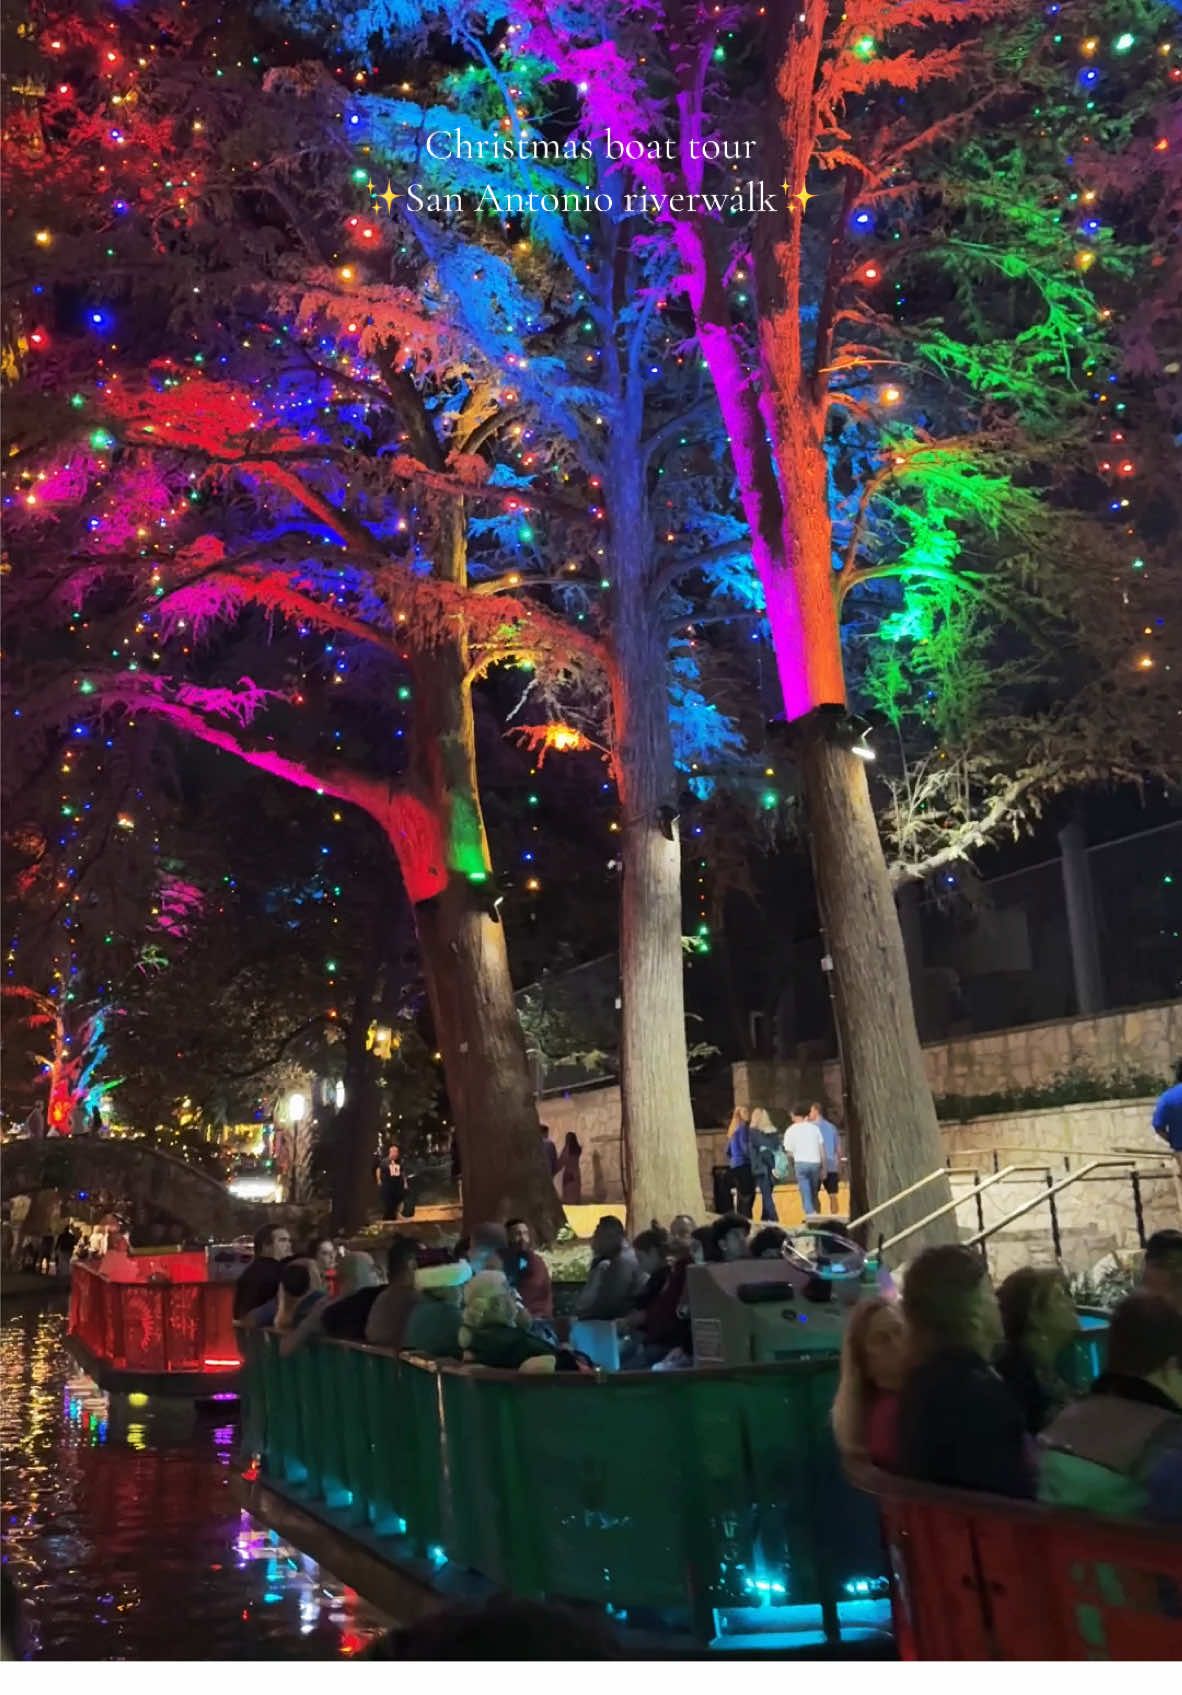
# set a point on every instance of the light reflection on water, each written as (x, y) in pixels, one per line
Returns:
(121, 1534)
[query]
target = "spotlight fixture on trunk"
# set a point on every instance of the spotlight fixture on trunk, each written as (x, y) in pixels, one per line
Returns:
(850, 730)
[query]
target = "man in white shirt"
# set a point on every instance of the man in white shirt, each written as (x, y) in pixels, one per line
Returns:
(805, 1146)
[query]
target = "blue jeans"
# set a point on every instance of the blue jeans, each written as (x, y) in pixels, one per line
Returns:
(766, 1183)
(808, 1181)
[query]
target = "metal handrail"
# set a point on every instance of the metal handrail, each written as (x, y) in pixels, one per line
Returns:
(940, 1171)
(984, 1153)
(1060, 1153)
(978, 1188)
(1051, 1190)
(950, 1206)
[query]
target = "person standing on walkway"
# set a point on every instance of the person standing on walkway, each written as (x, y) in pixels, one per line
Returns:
(764, 1143)
(392, 1181)
(804, 1145)
(549, 1152)
(832, 1140)
(738, 1158)
(570, 1174)
(1167, 1121)
(64, 1247)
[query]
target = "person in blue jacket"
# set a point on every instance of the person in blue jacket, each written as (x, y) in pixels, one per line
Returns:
(738, 1158)
(1167, 1116)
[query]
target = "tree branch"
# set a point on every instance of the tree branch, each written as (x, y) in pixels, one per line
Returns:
(974, 833)
(278, 1053)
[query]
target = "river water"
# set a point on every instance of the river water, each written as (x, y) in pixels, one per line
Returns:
(120, 1532)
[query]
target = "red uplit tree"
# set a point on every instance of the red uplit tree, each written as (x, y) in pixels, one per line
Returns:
(212, 420)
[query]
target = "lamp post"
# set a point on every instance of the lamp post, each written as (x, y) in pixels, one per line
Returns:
(297, 1111)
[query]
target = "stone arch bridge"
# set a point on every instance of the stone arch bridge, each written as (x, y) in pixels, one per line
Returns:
(159, 1186)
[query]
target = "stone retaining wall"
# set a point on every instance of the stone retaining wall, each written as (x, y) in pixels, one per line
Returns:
(1064, 1132)
(1097, 1214)
(1145, 1038)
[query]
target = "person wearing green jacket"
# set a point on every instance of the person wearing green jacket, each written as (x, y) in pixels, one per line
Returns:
(433, 1327)
(1119, 1450)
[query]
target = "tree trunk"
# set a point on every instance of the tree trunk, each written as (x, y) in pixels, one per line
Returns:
(776, 428)
(660, 1148)
(354, 1131)
(894, 1138)
(465, 958)
(504, 1173)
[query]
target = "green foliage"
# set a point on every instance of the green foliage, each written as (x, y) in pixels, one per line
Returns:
(1077, 1084)
(1105, 1289)
(565, 1034)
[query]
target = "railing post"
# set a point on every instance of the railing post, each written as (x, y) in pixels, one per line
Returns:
(166, 1327)
(977, 1198)
(1138, 1208)
(1055, 1236)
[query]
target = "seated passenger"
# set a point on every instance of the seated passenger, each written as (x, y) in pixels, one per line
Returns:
(651, 1256)
(768, 1243)
(324, 1251)
(488, 1248)
(702, 1249)
(344, 1315)
(616, 1278)
(958, 1423)
(300, 1288)
(1119, 1449)
(681, 1234)
(360, 1283)
(259, 1282)
(527, 1271)
(1039, 1321)
(658, 1325)
(433, 1326)
(873, 1360)
(729, 1237)
(389, 1314)
(1161, 1273)
(493, 1328)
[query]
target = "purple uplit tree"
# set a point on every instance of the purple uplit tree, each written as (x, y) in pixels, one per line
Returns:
(874, 209)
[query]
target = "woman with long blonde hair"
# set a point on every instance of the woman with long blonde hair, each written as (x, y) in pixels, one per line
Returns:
(738, 1159)
(873, 1362)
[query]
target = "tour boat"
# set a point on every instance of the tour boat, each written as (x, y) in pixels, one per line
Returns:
(154, 1322)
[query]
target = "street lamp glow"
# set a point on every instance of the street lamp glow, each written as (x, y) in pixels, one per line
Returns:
(297, 1106)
